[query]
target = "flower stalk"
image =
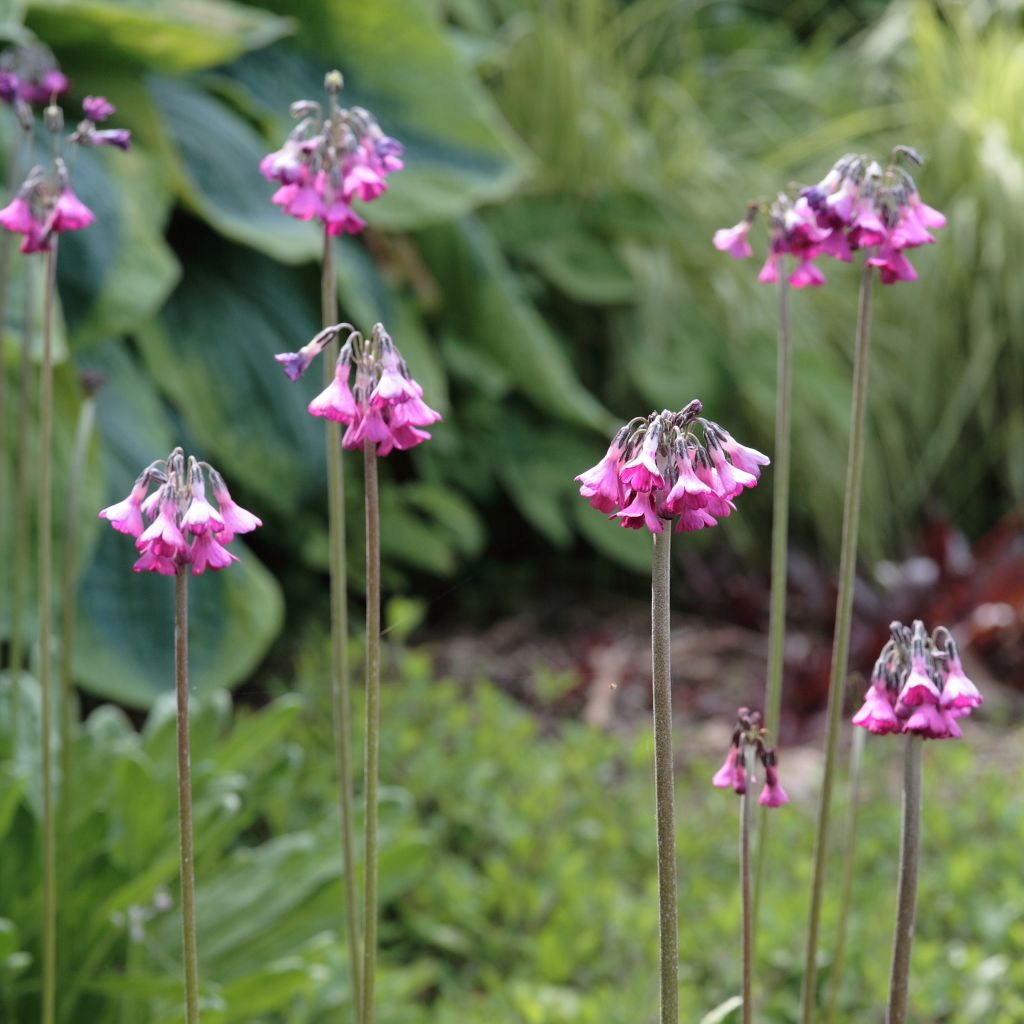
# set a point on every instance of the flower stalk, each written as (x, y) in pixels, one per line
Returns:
(190, 950)
(841, 639)
(341, 701)
(664, 780)
(747, 899)
(370, 865)
(45, 564)
(906, 901)
(68, 603)
(849, 854)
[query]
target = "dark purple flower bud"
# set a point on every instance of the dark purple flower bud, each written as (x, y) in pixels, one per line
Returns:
(120, 137)
(8, 86)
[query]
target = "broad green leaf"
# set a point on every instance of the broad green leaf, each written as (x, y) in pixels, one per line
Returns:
(172, 35)
(212, 352)
(585, 268)
(398, 61)
(117, 273)
(483, 302)
(218, 168)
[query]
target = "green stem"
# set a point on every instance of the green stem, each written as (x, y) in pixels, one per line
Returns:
(372, 725)
(846, 893)
(841, 638)
(780, 551)
(6, 242)
(906, 900)
(22, 494)
(341, 702)
(664, 782)
(68, 605)
(45, 561)
(190, 950)
(746, 898)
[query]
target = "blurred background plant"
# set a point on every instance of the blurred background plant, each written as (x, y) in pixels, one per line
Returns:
(545, 262)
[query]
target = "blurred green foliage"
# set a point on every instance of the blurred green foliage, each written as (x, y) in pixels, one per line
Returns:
(518, 880)
(545, 263)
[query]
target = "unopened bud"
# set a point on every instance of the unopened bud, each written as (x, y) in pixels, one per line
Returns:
(334, 82)
(53, 118)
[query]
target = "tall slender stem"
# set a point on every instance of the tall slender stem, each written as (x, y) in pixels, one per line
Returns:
(68, 606)
(780, 552)
(45, 562)
(22, 491)
(190, 949)
(6, 242)
(341, 701)
(841, 637)
(746, 899)
(849, 859)
(906, 900)
(372, 725)
(664, 781)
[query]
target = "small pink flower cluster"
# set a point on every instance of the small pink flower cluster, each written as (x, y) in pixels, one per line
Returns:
(184, 528)
(918, 686)
(857, 205)
(749, 735)
(384, 404)
(30, 74)
(46, 205)
(657, 469)
(328, 162)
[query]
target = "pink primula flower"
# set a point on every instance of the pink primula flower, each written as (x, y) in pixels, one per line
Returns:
(335, 402)
(773, 795)
(918, 688)
(725, 777)
(601, 485)
(69, 214)
(734, 240)
(208, 553)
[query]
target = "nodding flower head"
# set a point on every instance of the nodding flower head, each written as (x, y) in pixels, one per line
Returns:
(747, 751)
(372, 393)
(918, 686)
(330, 159)
(672, 467)
(46, 204)
(857, 205)
(30, 74)
(185, 529)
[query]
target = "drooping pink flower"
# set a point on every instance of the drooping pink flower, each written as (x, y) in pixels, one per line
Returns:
(401, 438)
(17, 216)
(209, 553)
(770, 271)
(959, 694)
(926, 215)
(393, 386)
(877, 714)
(732, 478)
(163, 536)
(641, 472)
(691, 519)
(725, 777)
(689, 491)
(236, 519)
(361, 180)
(867, 228)
(744, 458)
(734, 240)
(200, 516)
(286, 165)
(97, 108)
(600, 484)
(893, 265)
(640, 512)
(69, 213)
(46, 87)
(150, 561)
(807, 275)
(773, 795)
(414, 413)
(336, 402)
(341, 219)
(909, 232)
(126, 516)
(932, 723)
(918, 688)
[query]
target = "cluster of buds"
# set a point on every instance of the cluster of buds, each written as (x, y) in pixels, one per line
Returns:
(383, 403)
(30, 74)
(918, 686)
(184, 528)
(857, 205)
(45, 204)
(738, 770)
(328, 160)
(659, 468)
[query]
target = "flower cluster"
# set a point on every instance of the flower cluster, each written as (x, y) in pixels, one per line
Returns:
(659, 468)
(330, 160)
(918, 686)
(383, 404)
(857, 205)
(750, 736)
(45, 204)
(30, 74)
(184, 528)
